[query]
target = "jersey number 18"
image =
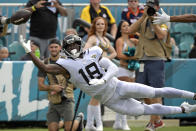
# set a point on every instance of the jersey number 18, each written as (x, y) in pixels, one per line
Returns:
(90, 73)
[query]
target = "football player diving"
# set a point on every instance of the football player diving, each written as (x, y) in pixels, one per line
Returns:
(95, 75)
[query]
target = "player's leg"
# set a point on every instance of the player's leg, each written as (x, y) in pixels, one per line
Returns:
(165, 110)
(133, 107)
(136, 90)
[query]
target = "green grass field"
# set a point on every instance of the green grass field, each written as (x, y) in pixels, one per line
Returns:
(187, 128)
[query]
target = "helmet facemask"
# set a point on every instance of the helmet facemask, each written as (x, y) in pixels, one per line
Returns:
(73, 39)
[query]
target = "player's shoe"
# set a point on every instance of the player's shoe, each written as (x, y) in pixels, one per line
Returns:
(100, 128)
(90, 128)
(80, 117)
(150, 127)
(117, 125)
(125, 127)
(188, 108)
(159, 124)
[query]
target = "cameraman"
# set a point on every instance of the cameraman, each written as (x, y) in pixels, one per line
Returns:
(152, 52)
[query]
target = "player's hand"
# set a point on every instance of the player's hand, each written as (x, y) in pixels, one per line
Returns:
(25, 45)
(96, 82)
(161, 18)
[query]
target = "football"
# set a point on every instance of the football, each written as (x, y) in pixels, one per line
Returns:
(20, 17)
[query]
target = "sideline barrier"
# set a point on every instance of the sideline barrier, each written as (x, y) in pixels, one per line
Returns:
(181, 74)
(20, 99)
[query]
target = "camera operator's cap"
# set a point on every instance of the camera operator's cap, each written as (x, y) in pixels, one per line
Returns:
(151, 3)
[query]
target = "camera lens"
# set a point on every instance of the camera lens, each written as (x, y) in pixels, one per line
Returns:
(151, 11)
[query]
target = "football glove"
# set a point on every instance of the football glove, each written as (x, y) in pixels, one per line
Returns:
(27, 45)
(161, 18)
(96, 82)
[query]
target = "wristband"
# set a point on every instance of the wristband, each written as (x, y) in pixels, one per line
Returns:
(33, 8)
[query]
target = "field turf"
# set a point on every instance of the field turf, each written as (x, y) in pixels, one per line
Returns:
(184, 128)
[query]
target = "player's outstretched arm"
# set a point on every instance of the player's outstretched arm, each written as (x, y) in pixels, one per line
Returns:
(186, 18)
(164, 18)
(49, 68)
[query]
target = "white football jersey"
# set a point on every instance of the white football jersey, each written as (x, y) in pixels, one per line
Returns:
(82, 70)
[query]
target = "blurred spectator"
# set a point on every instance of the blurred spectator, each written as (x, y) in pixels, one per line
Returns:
(34, 49)
(71, 31)
(192, 53)
(132, 13)
(43, 22)
(90, 12)
(4, 54)
(96, 37)
(123, 46)
(152, 51)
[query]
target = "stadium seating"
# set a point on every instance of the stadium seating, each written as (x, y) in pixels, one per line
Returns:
(184, 36)
(18, 49)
